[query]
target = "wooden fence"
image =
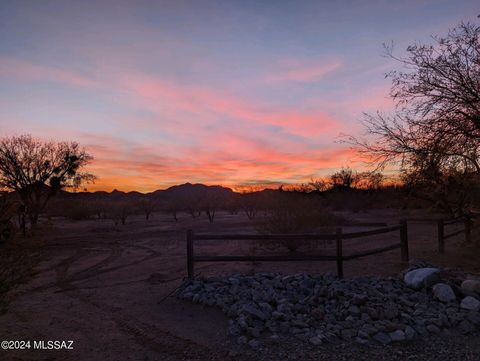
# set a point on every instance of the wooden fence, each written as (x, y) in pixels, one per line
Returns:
(339, 257)
(442, 228)
(467, 230)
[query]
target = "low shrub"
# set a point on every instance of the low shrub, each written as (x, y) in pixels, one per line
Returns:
(295, 214)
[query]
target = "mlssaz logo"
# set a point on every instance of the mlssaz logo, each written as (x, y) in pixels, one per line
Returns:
(53, 345)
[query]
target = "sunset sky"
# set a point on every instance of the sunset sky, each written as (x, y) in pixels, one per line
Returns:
(218, 92)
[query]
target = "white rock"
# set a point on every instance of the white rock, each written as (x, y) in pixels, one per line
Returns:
(443, 293)
(470, 303)
(470, 287)
(421, 277)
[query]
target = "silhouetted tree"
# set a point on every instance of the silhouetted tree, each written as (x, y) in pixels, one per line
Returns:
(250, 204)
(147, 206)
(37, 170)
(370, 180)
(119, 211)
(344, 178)
(435, 132)
(320, 185)
(172, 206)
(210, 202)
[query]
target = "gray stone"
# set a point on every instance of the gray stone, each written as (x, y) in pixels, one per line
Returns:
(348, 334)
(354, 310)
(318, 313)
(382, 338)
(242, 340)
(234, 330)
(409, 333)
(277, 315)
(254, 331)
(470, 303)
(421, 277)
(466, 327)
(254, 343)
(433, 329)
(474, 318)
(315, 340)
(369, 329)
(242, 322)
(274, 338)
(443, 293)
(232, 354)
(362, 334)
(361, 341)
(253, 311)
(365, 318)
(299, 323)
(470, 287)
(397, 335)
(359, 299)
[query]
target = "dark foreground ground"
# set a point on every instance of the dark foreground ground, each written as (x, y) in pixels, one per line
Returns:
(110, 290)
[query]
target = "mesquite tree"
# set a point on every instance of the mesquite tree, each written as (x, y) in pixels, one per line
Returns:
(434, 134)
(37, 170)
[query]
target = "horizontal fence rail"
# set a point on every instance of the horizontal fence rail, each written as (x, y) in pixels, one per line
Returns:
(467, 230)
(338, 236)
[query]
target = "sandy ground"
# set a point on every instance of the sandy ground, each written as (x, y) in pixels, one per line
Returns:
(109, 289)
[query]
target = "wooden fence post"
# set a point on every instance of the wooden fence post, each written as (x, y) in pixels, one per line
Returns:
(190, 269)
(440, 233)
(339, 253)
(468, 229)
(404, 240)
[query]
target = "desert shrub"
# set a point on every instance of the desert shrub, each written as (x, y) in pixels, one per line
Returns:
(353, 200)
(8, 211)
(100, 208)
(147, 207)
(294, 214)
(119, 211)
(78, 210)
(249, 202)
(17, 265)
(232, 205)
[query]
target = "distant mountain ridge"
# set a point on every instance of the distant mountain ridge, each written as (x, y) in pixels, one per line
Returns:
(185, 190)
(176, 191)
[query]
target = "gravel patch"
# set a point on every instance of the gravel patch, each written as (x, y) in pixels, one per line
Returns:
(271, 312)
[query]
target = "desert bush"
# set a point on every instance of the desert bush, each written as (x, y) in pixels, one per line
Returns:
(233, 205)
(294, 214)
(172, 207)
(8, 211)
(17, 265)
(250, 204)
(78, 210)
(147, 206)
(119, 211)
(100, 208)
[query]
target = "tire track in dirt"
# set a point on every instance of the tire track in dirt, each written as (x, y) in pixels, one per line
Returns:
(62, 267)
(96, 269)
(145, 334)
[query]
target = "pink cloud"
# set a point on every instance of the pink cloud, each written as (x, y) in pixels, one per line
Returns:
(19, 69)
(302, 71)
(158, 96)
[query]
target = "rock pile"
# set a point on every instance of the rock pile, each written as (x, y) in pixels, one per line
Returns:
(323, 308)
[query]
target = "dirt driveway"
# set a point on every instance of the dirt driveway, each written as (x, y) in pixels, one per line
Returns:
(108, 289)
